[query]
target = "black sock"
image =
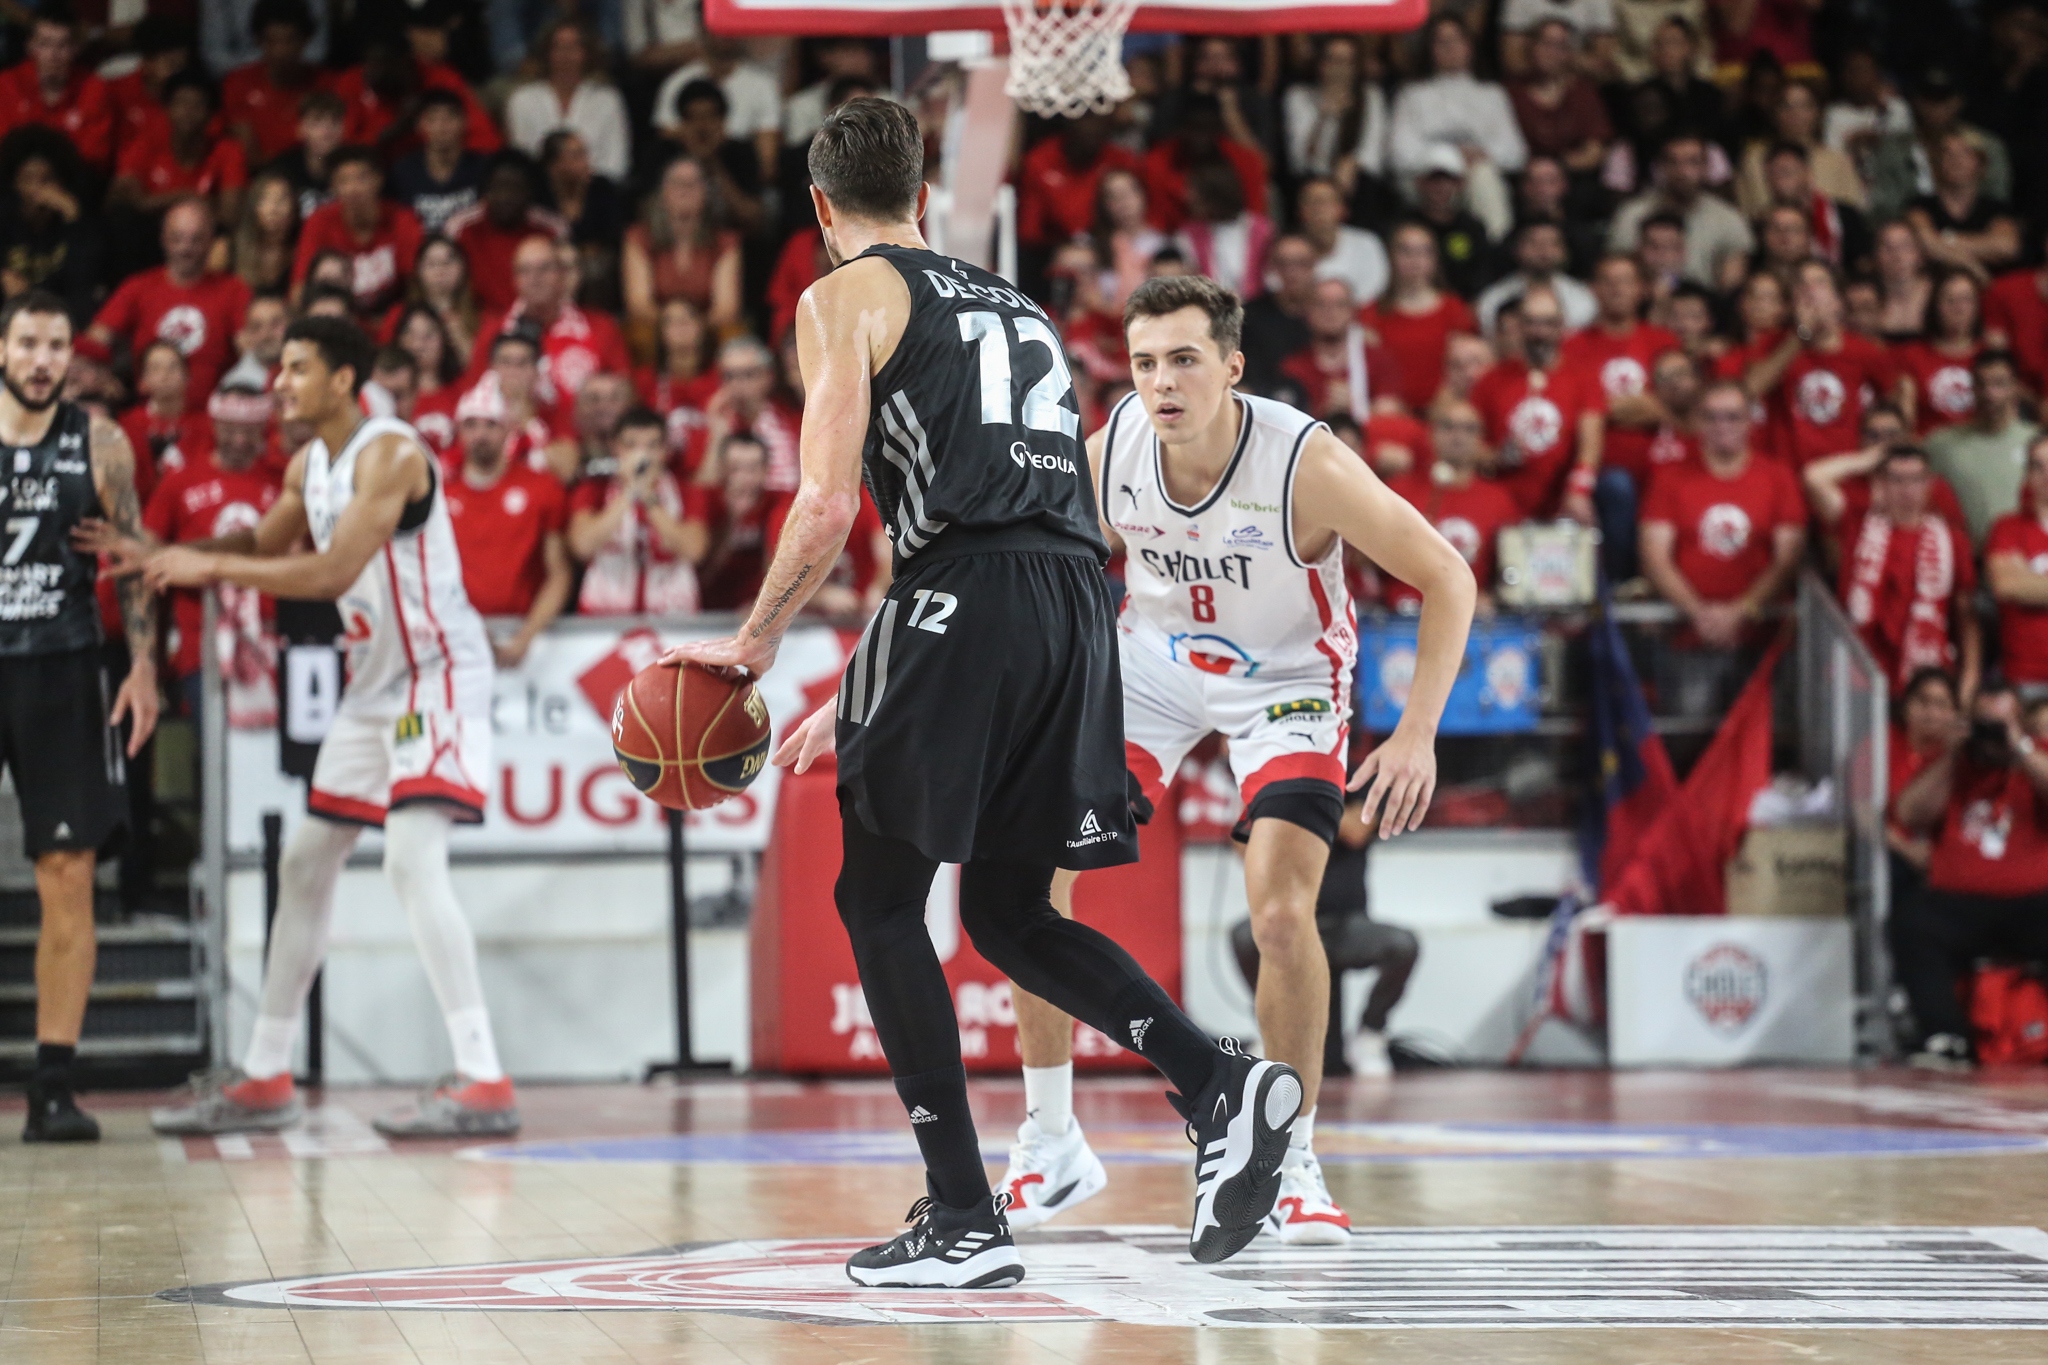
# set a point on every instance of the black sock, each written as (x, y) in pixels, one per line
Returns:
(937, 1104)
(1151, 1025)
(53, 1065)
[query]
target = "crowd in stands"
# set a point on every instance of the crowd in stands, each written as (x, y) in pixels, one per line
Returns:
(1748, 285)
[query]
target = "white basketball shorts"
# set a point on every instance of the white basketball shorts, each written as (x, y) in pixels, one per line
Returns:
(369, 765)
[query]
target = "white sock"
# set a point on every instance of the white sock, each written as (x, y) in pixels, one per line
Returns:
(476, 1052)
(1049, 1097)
(1303, 1132)
(416, 861)
(271, 1047)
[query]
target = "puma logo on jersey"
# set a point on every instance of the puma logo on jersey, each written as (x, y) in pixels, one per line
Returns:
(1179, 566)
(1130, 493)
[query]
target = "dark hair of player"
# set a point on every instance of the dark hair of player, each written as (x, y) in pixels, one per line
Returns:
(342, 345)
(1156, 298)
(38, 301)
(868, 158)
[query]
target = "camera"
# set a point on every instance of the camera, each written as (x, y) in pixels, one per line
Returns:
(1990, 744)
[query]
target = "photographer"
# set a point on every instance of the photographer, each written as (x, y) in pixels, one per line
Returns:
(1985, 802)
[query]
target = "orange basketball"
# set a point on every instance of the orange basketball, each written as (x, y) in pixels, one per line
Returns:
(690, 737)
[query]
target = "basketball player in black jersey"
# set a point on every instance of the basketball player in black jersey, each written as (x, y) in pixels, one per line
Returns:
(980, 721)
(59, 466)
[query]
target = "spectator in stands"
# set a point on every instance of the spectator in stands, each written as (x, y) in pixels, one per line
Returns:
(175, 156)
(440, 284)
(1337, 125)
(1939, 364)
(1522, 23)
(225, 486)
(53, 88)
(1351, 254)
(733, 516)
(1276, 320)
(753, 97)
(1472, 118)
(182, 302)
(1985, 804)
(1122, 234)
(266, 235)
(162, 426)
(1558, 110)
(1542, 419)
(1539, 254)
(1215, 69)
(1545, 195)
(2016, 320)
(2016, 569)
(1220, 237)
(381, 93)
(1688, 313)
(601, 404)
(1059, 183)
(1466, 507)
(441, 177)
(1674, 94)
(491, 232)
(842, 59)
(328, 301)
(739, 179)
(747, 401)
(47, 238)
(1903, 280)
(1341, 368)
(1416, 316)
(1199, 140)
(572, 93)
(260, 101)
(259, 343)
(1784, 242)
(576, 343)
(1721, 540)
(680, 251)
(1865, 110)
(1927, 712)
(591, 204)
(1908, 578)
(394, 387)
(1795, 125)
(1837, 232)
(163, 48)
(1958, 224)
(1717, 239)
(380, 239)
(1820, 370)
(1905, 165)
(1660, 246)
(1839, 488)
(1985, 458)
(681, 382)
(234, 32)
(1614, 355)
(1644, 454)
(509, 524)
(543, 432)
(1467, 358)
(628, 529)
(309, 162)
(1464, 246)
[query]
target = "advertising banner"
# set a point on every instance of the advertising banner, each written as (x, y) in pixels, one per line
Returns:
(1497, 688)
(1708, 990)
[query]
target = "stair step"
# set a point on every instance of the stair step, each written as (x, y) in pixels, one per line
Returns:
(151, 929)
(15, 993)
(118, 1045)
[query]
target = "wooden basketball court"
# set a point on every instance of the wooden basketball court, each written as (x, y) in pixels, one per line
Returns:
(1759, 1216)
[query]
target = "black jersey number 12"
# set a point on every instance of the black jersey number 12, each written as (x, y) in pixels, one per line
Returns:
(1043, 410)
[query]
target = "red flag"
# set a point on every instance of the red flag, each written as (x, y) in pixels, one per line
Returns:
(1678, 865)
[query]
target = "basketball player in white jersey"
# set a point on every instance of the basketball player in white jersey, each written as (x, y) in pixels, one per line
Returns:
(410, 748)
(1233, 513)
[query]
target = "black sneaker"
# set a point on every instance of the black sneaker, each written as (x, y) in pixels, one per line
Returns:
(54, 1116)
(1239, 1126)
(944, 1248)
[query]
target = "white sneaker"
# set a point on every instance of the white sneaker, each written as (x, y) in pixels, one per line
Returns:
(1304, 1214)
(1367, 1054)
(1049, 1175)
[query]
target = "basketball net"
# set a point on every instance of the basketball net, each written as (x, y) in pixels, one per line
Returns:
(1066, 56)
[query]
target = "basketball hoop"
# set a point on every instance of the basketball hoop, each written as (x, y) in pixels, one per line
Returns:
(1066, 56)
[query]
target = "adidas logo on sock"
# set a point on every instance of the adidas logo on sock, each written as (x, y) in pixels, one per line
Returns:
(1138, 1030)
(923, 1115)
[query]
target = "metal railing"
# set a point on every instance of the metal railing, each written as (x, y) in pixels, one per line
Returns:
(1844, 730)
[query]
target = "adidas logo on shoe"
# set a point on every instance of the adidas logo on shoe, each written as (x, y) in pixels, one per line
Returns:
(923, 1115)
(1139, 1028)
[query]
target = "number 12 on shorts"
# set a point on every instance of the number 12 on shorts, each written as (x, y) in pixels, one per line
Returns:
(941, 606)
(1202, 601)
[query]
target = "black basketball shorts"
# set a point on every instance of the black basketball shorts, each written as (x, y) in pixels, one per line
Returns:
(65, 759)
(981, 715)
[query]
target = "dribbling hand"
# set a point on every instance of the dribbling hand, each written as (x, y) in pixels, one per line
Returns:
(810, 741)
(1403, 773)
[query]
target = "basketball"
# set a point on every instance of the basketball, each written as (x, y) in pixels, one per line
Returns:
(690, 737)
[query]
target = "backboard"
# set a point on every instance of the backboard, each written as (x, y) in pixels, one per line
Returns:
(878, 18)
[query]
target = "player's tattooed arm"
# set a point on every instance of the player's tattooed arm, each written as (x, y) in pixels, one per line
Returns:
(113, 473)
